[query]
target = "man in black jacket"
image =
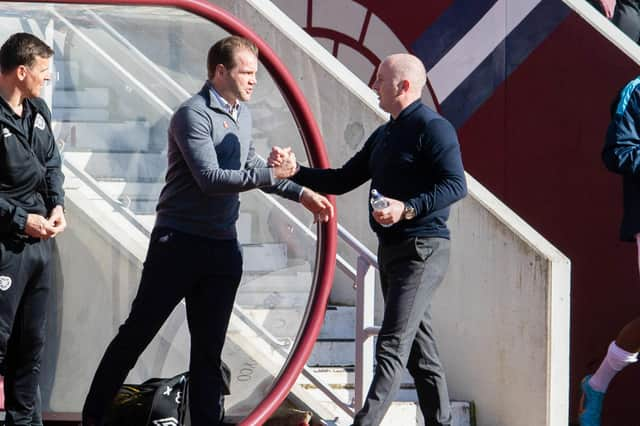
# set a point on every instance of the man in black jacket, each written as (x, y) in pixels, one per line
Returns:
(31, 213)
(414, 160)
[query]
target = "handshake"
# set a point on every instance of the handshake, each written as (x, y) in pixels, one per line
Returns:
(283, 161)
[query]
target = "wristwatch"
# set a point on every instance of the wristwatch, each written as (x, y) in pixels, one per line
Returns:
(409, 212)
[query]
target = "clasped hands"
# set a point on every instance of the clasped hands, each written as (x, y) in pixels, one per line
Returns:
(283, 160)
(38, 226)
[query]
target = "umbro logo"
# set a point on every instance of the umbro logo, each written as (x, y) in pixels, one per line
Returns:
(169, 421)
(6, 132)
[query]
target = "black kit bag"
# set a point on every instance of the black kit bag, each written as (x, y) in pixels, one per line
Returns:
(156, 402)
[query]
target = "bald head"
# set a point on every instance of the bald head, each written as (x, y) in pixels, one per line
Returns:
(399, 82)
(404, 66)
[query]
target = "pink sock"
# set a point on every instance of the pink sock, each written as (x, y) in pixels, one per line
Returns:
(616, 359)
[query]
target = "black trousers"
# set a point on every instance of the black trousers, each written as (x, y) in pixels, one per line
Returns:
(25, 282)
(410, 273)
(207, 274)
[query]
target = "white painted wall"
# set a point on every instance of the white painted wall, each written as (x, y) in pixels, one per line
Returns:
(502, 316)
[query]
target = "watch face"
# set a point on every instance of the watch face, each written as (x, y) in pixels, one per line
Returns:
(409, 213)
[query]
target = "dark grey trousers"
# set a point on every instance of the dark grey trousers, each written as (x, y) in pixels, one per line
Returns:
(410, 272)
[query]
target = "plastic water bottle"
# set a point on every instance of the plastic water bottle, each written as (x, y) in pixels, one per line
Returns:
(378, 202)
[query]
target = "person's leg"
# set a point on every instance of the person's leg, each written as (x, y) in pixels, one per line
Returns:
(424, 361)
(166, 277)
(428, 374)
(627, 18)
(36, 417)
(209, 308)
(412, 271)
(621, 353)
(24, 349)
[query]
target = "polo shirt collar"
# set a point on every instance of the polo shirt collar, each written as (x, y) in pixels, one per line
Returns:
(221, 102)
(408, 110)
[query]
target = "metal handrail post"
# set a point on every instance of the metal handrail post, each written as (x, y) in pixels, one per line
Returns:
(365, 293)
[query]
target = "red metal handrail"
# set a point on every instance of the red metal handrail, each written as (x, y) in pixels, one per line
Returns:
(314, 146)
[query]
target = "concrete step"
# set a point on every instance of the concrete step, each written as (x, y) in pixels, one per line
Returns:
(66, 75)
(344, 378)
(127, 136)
(336, 326)
(282, 323)
(406, 413)
(93, 97)
(123, 167)
(257, 258)
(149, 219)
(133, 190)
(272, 299)
(80, 114)
(294, 279)
(403, 411)
(333, 353)
(339, 323)
(264, 257)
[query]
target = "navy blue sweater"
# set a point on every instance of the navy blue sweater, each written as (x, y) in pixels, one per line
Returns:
(415, 159)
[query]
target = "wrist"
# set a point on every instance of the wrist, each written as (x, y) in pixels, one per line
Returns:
(409, 212)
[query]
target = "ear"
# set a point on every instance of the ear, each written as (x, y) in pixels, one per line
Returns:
(21, 72)
(220, 69)
(404, 85)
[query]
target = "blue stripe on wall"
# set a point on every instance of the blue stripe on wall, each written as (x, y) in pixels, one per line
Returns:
(449, 29)
(513, 51)
(476, 88)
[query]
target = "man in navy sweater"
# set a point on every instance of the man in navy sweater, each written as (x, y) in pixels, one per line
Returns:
(414, 161)
(193, 250)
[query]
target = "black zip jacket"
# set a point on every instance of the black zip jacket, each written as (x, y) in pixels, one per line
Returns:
(30, 167)
(415, 159)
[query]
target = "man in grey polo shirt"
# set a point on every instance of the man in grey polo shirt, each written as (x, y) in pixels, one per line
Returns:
(193, 250)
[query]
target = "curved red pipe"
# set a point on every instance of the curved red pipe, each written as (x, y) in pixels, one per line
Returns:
(327, 235)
